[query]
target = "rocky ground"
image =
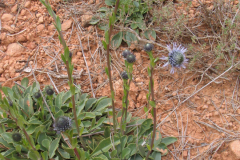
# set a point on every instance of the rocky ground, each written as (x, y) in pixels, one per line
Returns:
(206, 124)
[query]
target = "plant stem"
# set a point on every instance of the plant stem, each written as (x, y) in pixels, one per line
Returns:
(28, 138)
(70, 146)
(74, 107)
(109, 68)
(154, 112)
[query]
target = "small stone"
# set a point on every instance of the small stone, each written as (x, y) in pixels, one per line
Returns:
(205, 107)
(91, 2)
(3, 36)
(31, 45)
(195, 3)
(1, 70)
(14, 49)
(51, 27)
(23, 12)
(40, 20)
(40, 27)
(7, 17)
(9, 29)
(86, 18)
(38, 15)
(234, 146)
(27, 4)
(79, 54)
(21, 38)
(14, 8)
(66, 25)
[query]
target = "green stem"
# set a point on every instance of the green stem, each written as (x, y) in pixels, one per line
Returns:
(109, 68)
(154, 110)
(74, 107)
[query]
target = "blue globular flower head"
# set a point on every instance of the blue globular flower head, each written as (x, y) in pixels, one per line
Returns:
(131, 58)
(148, 47)
(124, 75)
(176, 57)
(37, 95)
(125, 53)
(16, 137)
(49, 90)
(62, 124)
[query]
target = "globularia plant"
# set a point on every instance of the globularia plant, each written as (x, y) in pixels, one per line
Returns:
(176, 57)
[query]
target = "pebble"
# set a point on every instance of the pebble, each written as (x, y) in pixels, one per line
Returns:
(66, 25)
(7, 17)
(23, 12)
(27, 4)
(14, 49)
(40, 27)
(14, 8)
(9, 29)
(40, 20)
(234, 146)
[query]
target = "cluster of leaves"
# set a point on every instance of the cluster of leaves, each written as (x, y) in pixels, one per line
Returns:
(20, 103)
(131, 14)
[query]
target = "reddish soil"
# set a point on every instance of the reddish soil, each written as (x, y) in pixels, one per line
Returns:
(205, 124)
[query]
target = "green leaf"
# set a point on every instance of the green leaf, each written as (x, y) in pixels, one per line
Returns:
(104, 44)
(7, 136)
(130, 38)
(66, 96)
(31, 128)
(149, 33)
(125, 153)
(105, 145)
(113, 153)
(133, 148)
(106, 37)
(141, 150)
(63, 58)
(116, 40)
(58, 23)
(161, 148)
(32, 154)
(25, 82)
(110, 2)
(136, 4)
(41, 138)
(86, 115)
(94, 20)
(90, 103)
(169, 140)
(44, 155)
(53, 147)
(107, 132)
(152, 103)
(145, 126)
(145, 109)
(80, 107)
(63, 153)
(46, 143)
(5, 143)
(9, 152)
(106, 70)
(103, 104)
(156, 155)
